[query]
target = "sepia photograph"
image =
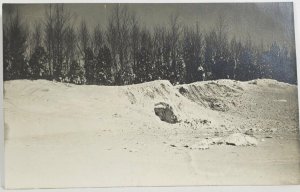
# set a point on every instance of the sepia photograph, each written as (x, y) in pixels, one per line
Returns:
(149, 94)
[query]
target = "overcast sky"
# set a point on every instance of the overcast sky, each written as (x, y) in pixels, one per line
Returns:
(262, 21)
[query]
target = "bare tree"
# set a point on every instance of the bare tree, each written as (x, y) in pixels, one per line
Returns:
(35, 38)
(175, 31)
(15, 36)
(57, 20)
(37, 34)
(134, 38)
(161, 46)
(235, 52)
(221, 59)
(118, 32)
(83, 36)
(193, 54)
(97, 40)
(70, 42)
(49, 36)
(174, 35)
(221, 28)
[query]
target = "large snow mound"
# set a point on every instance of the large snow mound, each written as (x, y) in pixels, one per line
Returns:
(42, 107)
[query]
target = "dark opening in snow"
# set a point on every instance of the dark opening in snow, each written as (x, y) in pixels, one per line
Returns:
(165, 112)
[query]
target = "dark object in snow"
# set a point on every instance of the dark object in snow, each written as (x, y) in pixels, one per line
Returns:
(165, 112)
(183, 91)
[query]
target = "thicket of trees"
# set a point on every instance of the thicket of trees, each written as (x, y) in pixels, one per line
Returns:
(125, 52)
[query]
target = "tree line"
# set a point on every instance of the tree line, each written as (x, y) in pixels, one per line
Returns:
(125, 52)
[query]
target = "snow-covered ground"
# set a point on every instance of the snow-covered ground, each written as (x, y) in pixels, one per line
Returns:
(65, 135)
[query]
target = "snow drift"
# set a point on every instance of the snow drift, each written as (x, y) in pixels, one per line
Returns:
(96, 136)
(53, 107)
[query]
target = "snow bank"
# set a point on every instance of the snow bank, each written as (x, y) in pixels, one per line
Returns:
(212, 94)
(42, 107)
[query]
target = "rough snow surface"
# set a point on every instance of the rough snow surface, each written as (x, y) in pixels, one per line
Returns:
(65, 135)
(239, 139)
